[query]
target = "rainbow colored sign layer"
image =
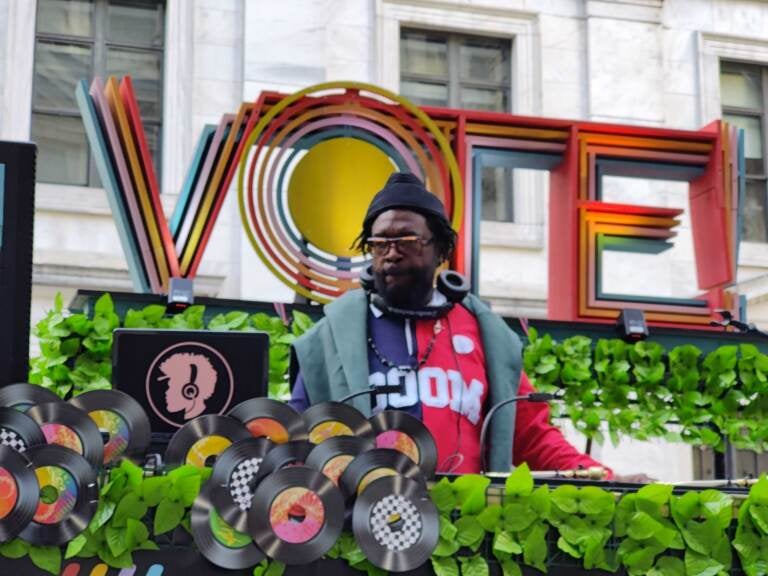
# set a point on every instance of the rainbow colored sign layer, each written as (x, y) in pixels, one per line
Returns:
(309, 163)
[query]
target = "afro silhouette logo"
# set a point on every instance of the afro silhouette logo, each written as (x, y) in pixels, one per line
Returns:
(189, 379)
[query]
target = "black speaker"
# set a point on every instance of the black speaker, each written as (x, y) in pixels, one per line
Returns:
(17, 214)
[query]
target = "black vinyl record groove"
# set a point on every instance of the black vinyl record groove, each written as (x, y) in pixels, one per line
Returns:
(70, 427)
(233, 478)
(332, 456)
(68, 481)
(396, 524)
(271, 419)
(375, 464)
(296, 516)
(19, 493)
(219, 542)
(328, 419)
(22, 396)
(121, 420)
(203, 439)
(18, 431)
(402, 432)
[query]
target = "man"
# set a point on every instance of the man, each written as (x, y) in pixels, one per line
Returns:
(451, 369)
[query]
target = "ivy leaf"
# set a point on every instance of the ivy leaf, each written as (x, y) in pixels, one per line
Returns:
(275, 568)
(518, 516)
(148, 545)
(443, 497)
(594, 500)
(490, 518)
(189, 488)
(447, 529)
(642, 526)
(469, 532)
(168, 516)
(510, 568)
(259, 569)
(134, 473)
(504, 543)
(668, 566)
(445, 566)
(535, 546)
(124, 560)
(75, 545)
(154, 489)
(565, 498)
(540, 502)
(116, 540)
(759, 515)
(14, 549)
(701, 565)
(470, 492)
(715, 504)
(46, 558)
(568, 548)
(301, 322)
(473, 566)
(130, 506)
(519, 482)
(135, 533)
(104, 512)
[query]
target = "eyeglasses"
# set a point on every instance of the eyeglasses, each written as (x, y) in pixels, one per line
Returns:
(405, 245)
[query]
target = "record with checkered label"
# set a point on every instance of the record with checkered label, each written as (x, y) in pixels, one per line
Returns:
(219, 542)
(68, 495)
(18, 493)
(374, 464)
(402, 432)
(200, 441)
(233, 480)
(121, 420)
(296, 515)
(18, 431)
(332, 456)
(328, 419)
(22, 396)
(68, 426)
(271, 419)
(396, 524)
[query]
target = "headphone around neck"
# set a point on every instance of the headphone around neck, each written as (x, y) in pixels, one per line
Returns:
(450, 284)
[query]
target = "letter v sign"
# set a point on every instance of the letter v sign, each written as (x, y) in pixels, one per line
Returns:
(156, 249)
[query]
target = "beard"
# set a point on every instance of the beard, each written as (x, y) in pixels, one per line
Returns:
(412, 289)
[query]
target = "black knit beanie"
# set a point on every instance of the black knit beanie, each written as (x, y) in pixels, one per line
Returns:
(404, 190)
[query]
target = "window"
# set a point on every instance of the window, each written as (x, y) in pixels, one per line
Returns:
(744, 96)
(459, 71)
(80, 39)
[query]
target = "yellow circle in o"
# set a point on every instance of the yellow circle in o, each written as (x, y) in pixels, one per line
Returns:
(330, 190)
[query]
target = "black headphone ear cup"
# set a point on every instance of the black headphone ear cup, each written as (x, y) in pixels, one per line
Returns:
(452, 285)
(366, 279)
(189, 391)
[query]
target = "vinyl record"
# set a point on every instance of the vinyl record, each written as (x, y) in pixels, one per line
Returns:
(283, 455)
(69, 495)
(18, 431)
(22, 396)
(271, 419)
(296, 516)
(332, 456)
(402, 432)
(122, 422)
(18, 493)
(396, 524)
(374, 464)
(232, 481)
(329, 419)
(203, 439)
(68, 426)
(219, 542)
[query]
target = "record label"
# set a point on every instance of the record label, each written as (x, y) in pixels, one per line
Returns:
(329, 429)
(268, 428)
(116, 428)
(239, 483)
(395, 523)
(18, 431)
(226, 535)
(374, 475)
(63, 436)
(205, 448)
(9, 438)
(296, 515)
(9, 493)
(60, 490)
(331, 419)
(399, 441)
(335, 467)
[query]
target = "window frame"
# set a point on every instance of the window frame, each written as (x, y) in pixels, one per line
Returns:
(99, 45)
(728, 65)
(453, 80)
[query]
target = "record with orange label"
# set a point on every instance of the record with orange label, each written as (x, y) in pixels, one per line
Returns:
(271, 419)
(375, 464)
(200, 441)
(296, 516)
(19, 493)
(68, 426)
(402, 432)
(68, 497)
(328, 419)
